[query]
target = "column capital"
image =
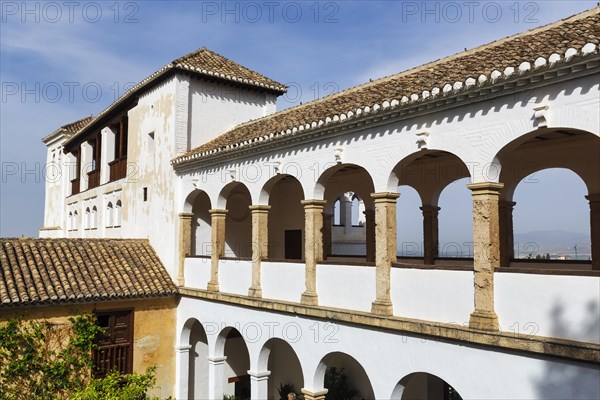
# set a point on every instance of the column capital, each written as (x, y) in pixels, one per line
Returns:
(259, 208)
(493, 188)
(593, 198)
(430, 209)
(313, 203)
(186, 215)
(384, 196)
(259, 376)
(316, 395)
(183, 349)
(218, 212)
(216, 360)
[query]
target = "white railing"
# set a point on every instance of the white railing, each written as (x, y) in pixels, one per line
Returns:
(196, 272)
(562, 306)
(434, 295)
(282, 280)
(345, 286)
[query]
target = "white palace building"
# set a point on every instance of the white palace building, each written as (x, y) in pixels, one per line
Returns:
(280, 228)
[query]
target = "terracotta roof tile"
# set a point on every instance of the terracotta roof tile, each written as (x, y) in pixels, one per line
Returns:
(39, 271)
(574, 32)
(201, 62)
(71, 128)
(209, 63)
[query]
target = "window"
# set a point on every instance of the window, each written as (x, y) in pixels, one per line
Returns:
(87, 220)
(75, 180)
(94, 218)
(94, 174)
(117, 221)
(115, 346)
(109, 215)
(70, 223)
(118, 167)
(75, 221)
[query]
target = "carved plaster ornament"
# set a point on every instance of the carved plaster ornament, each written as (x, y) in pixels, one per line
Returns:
(337, 153)
(277, 167)
(422, 139)
(232, 174)
(540, 115)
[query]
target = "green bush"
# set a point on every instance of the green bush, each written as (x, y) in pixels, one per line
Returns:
(41, 360)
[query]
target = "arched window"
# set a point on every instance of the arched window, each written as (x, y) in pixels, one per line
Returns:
(87, 221)
(70, 224)
(336, 212)
(94, 218)
(75, 221)
(109, 215)
(117, 221)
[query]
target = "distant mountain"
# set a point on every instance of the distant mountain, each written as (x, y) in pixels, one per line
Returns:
(553, 242)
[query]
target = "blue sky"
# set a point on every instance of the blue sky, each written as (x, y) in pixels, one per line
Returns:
(60, 61)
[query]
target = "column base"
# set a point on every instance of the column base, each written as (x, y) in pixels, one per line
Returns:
(382, 308)
(255, 292)
(318, 395)
(212, 286)
(484, 320)
(308, 298)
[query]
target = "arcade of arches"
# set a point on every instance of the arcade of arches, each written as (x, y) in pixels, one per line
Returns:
(280, 372)
(286, 225)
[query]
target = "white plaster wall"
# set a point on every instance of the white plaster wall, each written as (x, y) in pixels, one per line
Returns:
(549, 305)
(57, 187)
(343, 286)
(148, 166)
(476, 372)
(197, 272)
(235, 276)
(282, 281)
(434, 295)
(217, 107)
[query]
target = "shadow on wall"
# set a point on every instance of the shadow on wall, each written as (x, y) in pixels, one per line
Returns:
(572, 380)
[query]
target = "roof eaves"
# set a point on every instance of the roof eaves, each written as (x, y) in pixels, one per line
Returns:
(428, 94)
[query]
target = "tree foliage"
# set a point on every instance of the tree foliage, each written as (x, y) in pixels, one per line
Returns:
(338, 386)
(42, 360)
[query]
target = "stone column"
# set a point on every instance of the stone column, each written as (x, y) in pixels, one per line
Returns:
(260, 245)
(507, 239)
(217, 222)
(316, 395)
(313, 246)
(486, 252)
(185, 244)
(385, 251)
(216, 367)
(183, 371)
(259, 384)
(430, 234)
(594, 200)
(327, 220)
(370, 234)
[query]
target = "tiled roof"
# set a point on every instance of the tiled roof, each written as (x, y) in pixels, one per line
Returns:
(42, 271)
(201, 62)
(207, 62)
(71, 129)
(480, 66)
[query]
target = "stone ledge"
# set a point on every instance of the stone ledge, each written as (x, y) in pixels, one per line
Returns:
(539, 345)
